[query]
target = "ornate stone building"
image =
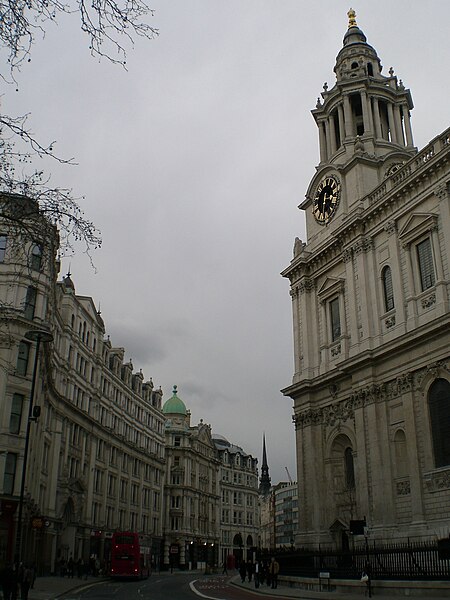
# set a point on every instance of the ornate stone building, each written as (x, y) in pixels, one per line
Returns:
(211, 493)
(96, 444)
(370, 298)
(192, 525)
(239, 516)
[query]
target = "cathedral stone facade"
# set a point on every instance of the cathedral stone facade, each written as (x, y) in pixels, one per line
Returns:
(370, 298)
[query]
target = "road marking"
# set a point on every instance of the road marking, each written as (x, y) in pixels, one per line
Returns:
(195, 590)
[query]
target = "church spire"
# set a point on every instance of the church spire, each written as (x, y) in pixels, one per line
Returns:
(264, 480)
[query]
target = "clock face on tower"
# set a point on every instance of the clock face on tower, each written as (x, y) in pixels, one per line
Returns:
(326, 199)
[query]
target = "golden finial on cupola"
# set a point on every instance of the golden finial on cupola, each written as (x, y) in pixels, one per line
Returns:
(351, 18)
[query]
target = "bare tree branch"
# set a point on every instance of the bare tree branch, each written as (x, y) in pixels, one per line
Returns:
(109, 25)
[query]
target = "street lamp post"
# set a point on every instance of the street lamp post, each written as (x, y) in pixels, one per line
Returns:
(39, 336)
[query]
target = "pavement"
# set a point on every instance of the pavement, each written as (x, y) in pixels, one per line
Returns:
(285, 590)
(52, 588)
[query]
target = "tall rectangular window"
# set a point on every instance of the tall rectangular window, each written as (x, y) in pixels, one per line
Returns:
(426, 267)
(30, 302)
(10, 473)
(16, 413)
(335, 319)
(2, 247)
(22, 359)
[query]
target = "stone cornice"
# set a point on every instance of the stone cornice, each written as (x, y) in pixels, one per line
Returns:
(343, 410)
(437, 481)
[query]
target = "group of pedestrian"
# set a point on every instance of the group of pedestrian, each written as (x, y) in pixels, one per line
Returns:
(261, 572)
(16, 580)
(82, 568)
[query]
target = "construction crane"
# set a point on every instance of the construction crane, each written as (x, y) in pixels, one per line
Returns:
(288, 474)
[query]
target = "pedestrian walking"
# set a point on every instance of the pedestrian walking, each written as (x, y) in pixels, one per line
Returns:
(249, 570)
(242, 571)
(256, 573)
(274, 569)
(26, 579)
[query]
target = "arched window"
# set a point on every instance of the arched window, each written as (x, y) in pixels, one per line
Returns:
(349, 469)
(36, 257)
(369, 69)
(342, 464)
(388, 290)
(401, 458)
(439, 403)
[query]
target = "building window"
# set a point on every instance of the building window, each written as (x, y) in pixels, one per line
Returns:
(175, 501)
(335, 319)
(401, 457)
(23, 358)
(10, 473)
(36, 257)
(177, 441)
(349, 469)
(388, 288)
(439, 403)
(111, 485)
(16, 413)
(2, 247)
(30, 302)
(426, 267)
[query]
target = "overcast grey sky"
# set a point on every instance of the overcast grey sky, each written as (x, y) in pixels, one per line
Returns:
(193, 163)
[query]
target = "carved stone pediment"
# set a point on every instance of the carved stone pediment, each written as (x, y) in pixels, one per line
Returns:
(416, 225)
(330, 287)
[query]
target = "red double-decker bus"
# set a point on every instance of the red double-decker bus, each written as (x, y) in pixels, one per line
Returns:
(130, 555)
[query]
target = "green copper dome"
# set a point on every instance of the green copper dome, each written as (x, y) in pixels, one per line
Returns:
(174, 405)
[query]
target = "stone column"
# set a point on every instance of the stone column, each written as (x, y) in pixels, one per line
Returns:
(407, 125)
(363, 491)
(297, 324)
(396, 271)
(398, 125)
(376, 481)
(328, 138)
(391, 122)
(332, 130)
(410, 294)
(347, 257)
(437, 253)
(376, 114)
(348, 117)
(341, 124)
(365, 111)
(322, 142)
(307, 352)
(415, 471)
(362, 248)
(324, 340)
(382, 470)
